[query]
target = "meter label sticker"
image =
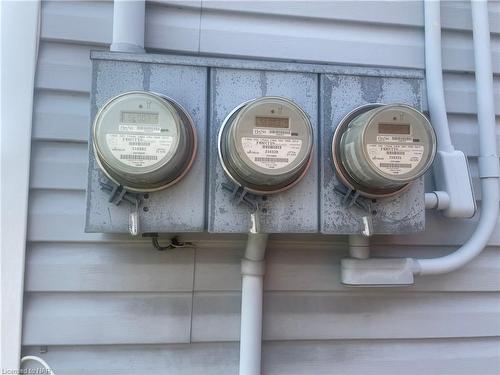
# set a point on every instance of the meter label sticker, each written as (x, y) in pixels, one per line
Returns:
(138, 150)
(395, 159)
(276, 132)
(395, 138)
(271, 153)
(139, 128)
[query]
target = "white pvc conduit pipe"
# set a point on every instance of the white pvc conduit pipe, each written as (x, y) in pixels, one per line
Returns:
(128, 26)
(434, 75)
(488, 159)
(359, 246)
(252, 289)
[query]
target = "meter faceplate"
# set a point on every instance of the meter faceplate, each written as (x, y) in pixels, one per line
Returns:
(143, 141)
(382, 148)
(265, 144)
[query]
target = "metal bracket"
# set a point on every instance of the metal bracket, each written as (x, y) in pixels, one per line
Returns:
(240, 195)
(117, 194)
(351, 198)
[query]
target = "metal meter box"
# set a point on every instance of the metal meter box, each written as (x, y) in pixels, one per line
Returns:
(177, 208)
(310, 198)
(400, 213)
(293, 210)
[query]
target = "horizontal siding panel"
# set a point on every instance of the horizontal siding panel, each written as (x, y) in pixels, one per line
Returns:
(463, 129)
(274, 36)
(168, 27)
(464, 356)
(319, 40)
(460, 93)
(116, 318)
(138, 267)
(294, 268)
(64, 67)
(177, 26)
(59, 165)
(110, 268)
(61, 116)
(455, 14)
(172, 28)
(106, 318)
(89, 21)
(441, 231)
(69, 69)
(350, 315)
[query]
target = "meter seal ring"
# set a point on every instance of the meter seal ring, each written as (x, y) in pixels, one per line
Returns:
(233, 179)
(180, 110)
(341, 171)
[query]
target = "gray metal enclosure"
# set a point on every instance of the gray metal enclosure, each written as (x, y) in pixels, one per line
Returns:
(211, 88)
(109, 304)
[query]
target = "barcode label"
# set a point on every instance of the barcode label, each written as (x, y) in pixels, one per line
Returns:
(274, 132)
(271, 147)
(271, 153)
(139, 150)
(279, 132)
(138, 157)
(395, 153)
(132, 143)
(139, 128)
(395, 138)
(395, 165)
(395, 159)
(276, 160)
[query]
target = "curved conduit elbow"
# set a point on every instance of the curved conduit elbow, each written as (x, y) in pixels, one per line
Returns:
(488, 159)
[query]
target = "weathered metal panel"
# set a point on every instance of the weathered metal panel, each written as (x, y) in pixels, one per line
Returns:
(294, 210)
(403, 213)
(180, 208)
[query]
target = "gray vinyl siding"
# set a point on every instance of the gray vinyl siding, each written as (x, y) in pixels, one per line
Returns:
(108, 304)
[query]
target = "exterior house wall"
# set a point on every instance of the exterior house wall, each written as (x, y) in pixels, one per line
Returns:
(108, 304)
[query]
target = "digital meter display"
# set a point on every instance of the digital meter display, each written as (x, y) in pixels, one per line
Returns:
(395, 128)
(139, 117)
(272, 122)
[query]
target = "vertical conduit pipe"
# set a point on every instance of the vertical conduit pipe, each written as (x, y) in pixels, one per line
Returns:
(252, 289)
(359, 246)
(488, 158)
(434, 75)
(128, 26)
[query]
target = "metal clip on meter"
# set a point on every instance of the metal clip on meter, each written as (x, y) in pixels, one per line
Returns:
(265, 145)
(143, 141)
(378, 149)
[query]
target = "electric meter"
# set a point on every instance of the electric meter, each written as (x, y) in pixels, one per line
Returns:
(265, 144)
(143, 141)
(379, 149)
